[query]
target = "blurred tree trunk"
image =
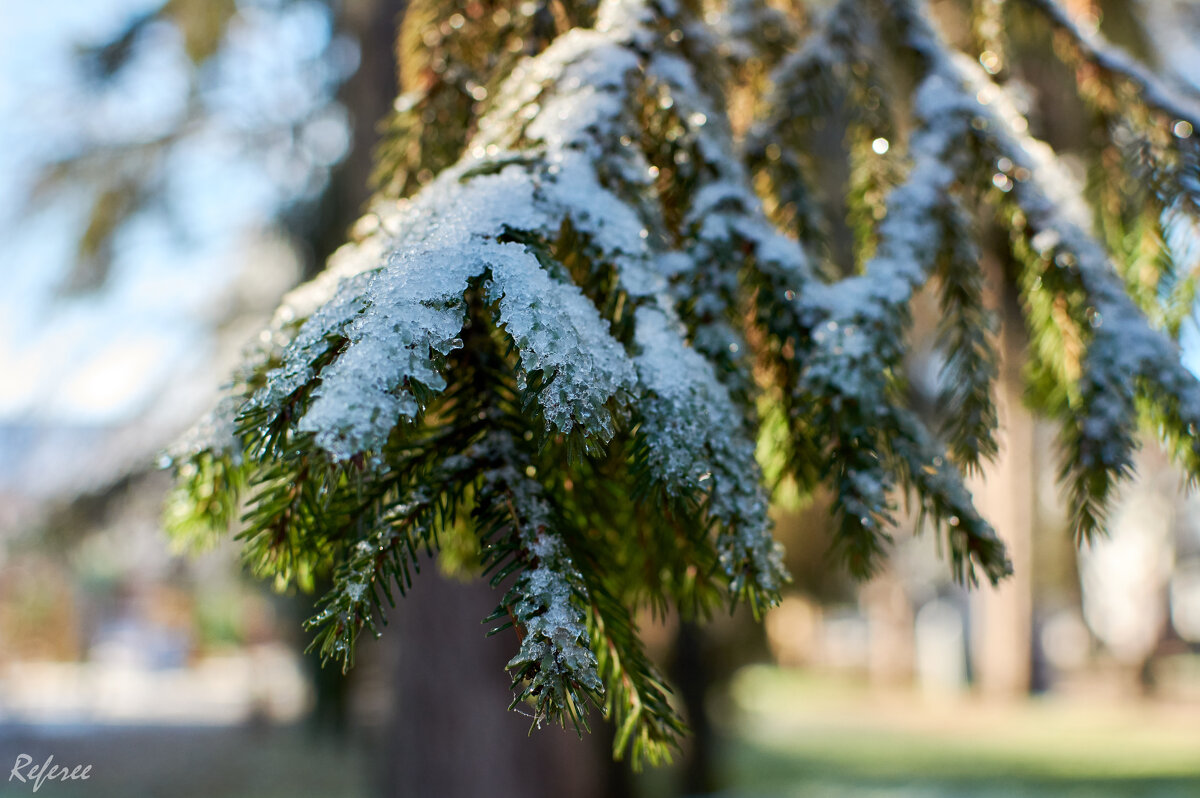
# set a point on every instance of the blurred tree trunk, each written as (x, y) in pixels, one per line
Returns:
(692, 678)
(891, 652)
(367, 96)
(1002, 637)
(450, 734)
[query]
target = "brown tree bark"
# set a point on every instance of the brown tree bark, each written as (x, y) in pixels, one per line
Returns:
(1002, 617)
(368, 96)
(450, 734)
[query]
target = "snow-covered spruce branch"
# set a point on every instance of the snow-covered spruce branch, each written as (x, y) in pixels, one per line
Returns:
(548, 601)
(751, 31)
(452, 57)
(360, 362)
(965, 336)
(1152, 89)
(1126, 359)
(831, 68)
(1155, 123)
(561, 616)
(847, 366)
(555, 346)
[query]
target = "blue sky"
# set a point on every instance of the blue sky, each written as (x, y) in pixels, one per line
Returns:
(100, 357)
(253, 130)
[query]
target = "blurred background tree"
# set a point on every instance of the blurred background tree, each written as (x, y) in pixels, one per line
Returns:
(288, 120)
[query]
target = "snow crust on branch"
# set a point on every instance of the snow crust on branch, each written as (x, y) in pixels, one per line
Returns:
(602, 224)
(1126, 357)
(1178, 102)
(687, 417)
(549, 599)
(360, 352)
(857, 334)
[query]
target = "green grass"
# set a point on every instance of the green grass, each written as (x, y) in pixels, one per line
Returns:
(793, 735)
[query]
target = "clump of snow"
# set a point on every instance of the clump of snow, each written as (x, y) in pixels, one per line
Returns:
(560, 333)
(549, 597)
(696, 441)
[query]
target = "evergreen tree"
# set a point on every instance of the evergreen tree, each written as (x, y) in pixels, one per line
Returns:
(599, 267)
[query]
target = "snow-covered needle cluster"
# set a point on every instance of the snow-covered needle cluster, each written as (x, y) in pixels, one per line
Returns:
(597, 245)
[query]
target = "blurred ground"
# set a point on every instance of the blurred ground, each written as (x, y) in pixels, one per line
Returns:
(801, 736)
(784, 734)
(188, 762)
